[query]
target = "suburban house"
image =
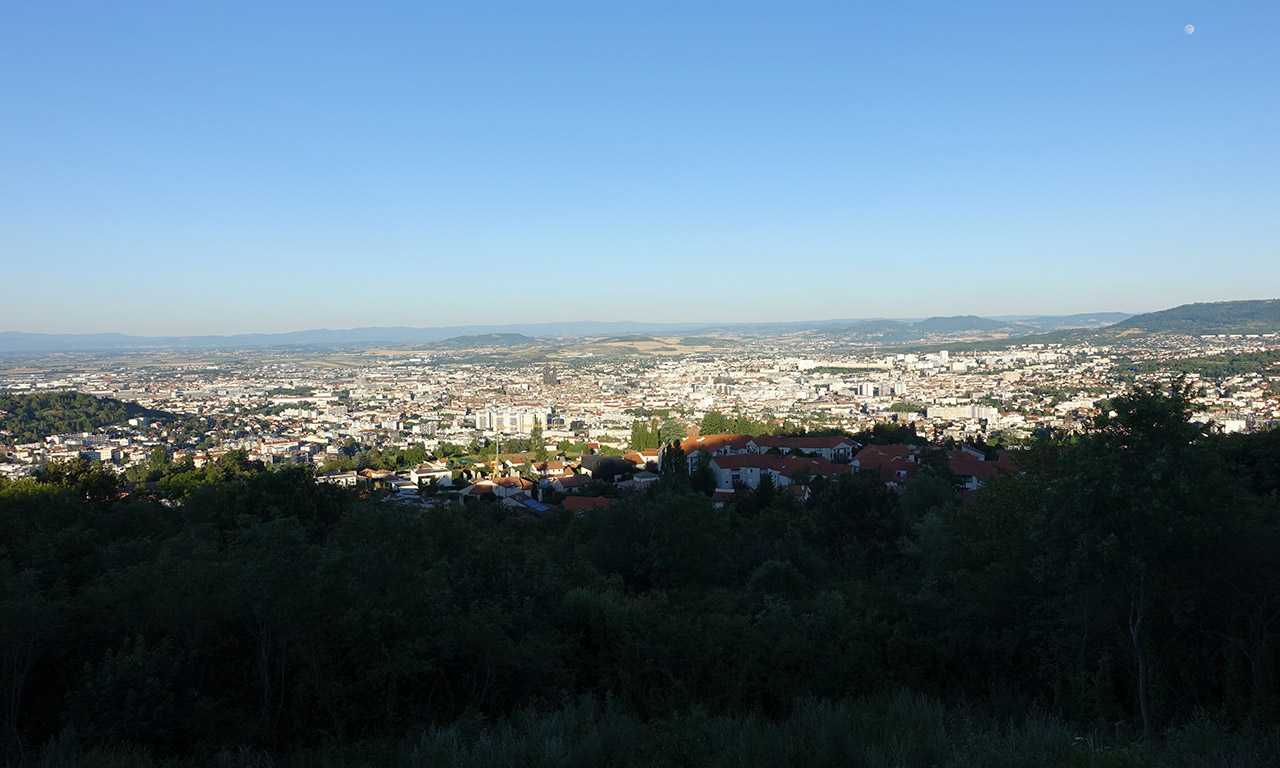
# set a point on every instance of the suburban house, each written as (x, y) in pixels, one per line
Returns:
(403, 487)
(548, 470)
(580, 504)
(502, 487)
(639, 480)
(376, 475)
(526, 505)
(347, 479)
(510, 486)
(972, 467)
(478, 488)
(896, 464)
(714, 445)
(431, 470)
(606, 467)
(570, 483)
(645, 459)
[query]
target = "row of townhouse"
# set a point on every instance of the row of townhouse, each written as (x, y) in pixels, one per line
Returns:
(407, 481)
(739, 461)
(830, 449)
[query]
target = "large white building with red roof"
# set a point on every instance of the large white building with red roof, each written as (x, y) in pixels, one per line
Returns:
(835, 448)
(748, 469)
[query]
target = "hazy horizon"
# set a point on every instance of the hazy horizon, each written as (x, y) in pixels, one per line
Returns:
(673, 324)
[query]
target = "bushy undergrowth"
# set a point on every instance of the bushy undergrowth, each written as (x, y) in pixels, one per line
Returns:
(903, 730)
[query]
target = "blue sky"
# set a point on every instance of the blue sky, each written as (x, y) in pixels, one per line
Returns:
(252, 166)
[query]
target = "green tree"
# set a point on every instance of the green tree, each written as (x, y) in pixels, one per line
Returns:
(714, 423)
(801, 476)
(689, 542)
(35, 416)
(413, 456)
(28, 622)
(1122, 507)
(159, 458)
(765, 490)
(130, 696)
(95, 481)
(703, 478)
(539, 443)
(645, 435)
(671, 431)
(674, 467)
(927, 492)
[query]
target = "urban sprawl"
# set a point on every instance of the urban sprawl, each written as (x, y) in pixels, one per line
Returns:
(454, 414)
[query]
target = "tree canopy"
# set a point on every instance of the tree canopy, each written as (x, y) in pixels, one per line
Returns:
(35, 416)
(1129, 575)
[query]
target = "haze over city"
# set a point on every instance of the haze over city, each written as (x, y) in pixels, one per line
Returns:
(240, 168)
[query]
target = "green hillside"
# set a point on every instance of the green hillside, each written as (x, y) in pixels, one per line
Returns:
(33, 417)
(959, 324)
(485, 340)
(1258, 316)
(1209, 366)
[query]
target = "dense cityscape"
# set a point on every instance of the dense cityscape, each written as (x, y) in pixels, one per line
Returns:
(289, 407)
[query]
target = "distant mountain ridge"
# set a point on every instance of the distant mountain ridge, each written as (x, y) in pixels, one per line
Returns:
(1194, 319)
(1252, 316)
(966, 326)
(12, 341)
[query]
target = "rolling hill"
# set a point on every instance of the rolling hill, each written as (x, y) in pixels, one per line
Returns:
(1256, 316)
(481, 340)
(35, 416)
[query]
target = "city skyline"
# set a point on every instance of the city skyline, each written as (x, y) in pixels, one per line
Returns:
(187, 171)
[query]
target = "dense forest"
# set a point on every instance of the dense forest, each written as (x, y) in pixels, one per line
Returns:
(33, 417)
(1116, 601)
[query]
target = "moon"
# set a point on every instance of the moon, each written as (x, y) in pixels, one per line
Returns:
(1190, 29)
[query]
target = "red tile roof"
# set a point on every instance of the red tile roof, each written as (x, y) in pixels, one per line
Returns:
(889, 470)
(965, 464)
(514, 482)
(713, 443)
(874, 455)
(583, 503)
(802, 443)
